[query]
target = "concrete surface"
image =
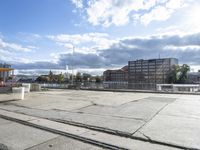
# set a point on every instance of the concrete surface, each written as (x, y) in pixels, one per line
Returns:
(6, 97)
(173, 130)
(64, 143)
(95, 136)
(15, 136)
(125, 142)
(172, 119)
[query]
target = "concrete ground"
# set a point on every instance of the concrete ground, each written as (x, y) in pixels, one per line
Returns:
(15, 136)
(147, 120)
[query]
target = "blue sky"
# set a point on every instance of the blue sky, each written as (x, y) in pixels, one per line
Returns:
(40, 34)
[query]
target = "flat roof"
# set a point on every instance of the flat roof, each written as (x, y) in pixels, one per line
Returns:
(5, 69)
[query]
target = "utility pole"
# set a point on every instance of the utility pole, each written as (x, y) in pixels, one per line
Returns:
(72, 65)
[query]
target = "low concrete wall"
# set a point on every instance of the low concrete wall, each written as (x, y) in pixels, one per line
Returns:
(5, 89)
(35, 87)
(18, 93)
(27, 87)
(178, 87)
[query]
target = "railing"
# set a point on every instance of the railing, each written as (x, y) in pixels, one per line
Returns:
(104, 85)
(9, 84)
(79, 85)
(119, 86)
(54, 85)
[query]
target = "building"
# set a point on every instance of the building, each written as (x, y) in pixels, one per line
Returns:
(116, 79)
(145, 74)
(193, 77)
(5, 71)
(119, 75)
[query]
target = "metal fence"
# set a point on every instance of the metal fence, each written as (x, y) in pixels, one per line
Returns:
(124, 86)
(76, 85)
(104, 85)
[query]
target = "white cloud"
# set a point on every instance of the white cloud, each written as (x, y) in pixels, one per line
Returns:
(14, 46)
(12, 52)
(183, 48)
(159, 13)
(4, 55)
(84, 43)
(68, 46)
(17, 47)
(187, 21)
(175, 4)
(190, 20)
(162, 12)
(117, 12)
(78, 3)
(28, 37)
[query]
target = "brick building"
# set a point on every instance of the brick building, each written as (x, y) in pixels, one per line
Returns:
(119, 75)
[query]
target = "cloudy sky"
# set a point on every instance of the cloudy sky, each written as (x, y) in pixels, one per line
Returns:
(41, 34)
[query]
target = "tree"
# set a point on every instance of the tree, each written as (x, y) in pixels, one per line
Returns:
(183, 73)
(173, 75)
(178, 74)
(42, 79)
(98, 79)
(60, 78)
(78, 77)
(51, 76)
(86, 77)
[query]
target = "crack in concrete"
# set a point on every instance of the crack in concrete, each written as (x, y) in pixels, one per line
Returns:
(191, 117)
(20, 110)
(150, 118)
(42, 143)
(96, 128)
(145, 136)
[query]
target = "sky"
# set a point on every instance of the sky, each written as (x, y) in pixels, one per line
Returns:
(39, 35)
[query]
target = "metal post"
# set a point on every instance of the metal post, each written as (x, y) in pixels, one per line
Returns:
(72, 65)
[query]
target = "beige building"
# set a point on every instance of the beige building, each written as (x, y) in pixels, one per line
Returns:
(145, 74)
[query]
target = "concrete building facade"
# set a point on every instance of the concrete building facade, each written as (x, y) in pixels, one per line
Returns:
(145, 74)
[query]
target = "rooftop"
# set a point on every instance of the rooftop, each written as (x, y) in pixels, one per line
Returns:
(96, 120)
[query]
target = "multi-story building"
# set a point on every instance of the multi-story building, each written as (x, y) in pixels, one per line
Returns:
(118, 75)
(193, 77)
(116, 79)
(145, 74)
(5, 71)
